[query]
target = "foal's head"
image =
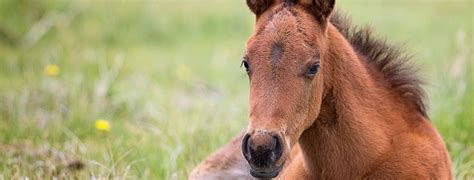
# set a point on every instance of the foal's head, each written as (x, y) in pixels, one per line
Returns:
(284, 59)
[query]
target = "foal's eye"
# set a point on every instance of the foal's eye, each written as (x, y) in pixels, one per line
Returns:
(246, 65)
(313, 70)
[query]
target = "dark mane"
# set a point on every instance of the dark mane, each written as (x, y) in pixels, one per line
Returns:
(390, 61)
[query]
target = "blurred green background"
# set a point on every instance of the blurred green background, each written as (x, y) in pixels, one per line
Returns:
(165, 74)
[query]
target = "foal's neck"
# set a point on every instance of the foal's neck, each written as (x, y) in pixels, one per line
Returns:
(357, 116)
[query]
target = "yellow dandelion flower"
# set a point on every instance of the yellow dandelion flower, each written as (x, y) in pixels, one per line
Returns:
(102, 125)
(51, 70)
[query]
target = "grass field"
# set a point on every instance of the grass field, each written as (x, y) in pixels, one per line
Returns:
(165, 75)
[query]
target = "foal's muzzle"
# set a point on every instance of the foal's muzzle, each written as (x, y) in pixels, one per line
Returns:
(263, 152)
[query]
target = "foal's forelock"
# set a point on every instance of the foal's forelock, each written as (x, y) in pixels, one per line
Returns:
(278, 38)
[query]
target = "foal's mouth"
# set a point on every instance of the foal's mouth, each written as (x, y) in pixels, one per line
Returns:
(266, 174)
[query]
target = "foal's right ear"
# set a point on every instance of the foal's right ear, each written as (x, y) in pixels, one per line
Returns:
(321, 9)
(259, 6)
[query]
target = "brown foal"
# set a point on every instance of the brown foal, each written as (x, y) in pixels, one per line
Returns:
(327, 101)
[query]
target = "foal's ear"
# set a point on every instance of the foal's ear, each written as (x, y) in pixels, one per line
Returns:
(322, 9)
(259, 6)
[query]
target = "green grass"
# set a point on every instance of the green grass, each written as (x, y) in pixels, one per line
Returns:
(166, 75)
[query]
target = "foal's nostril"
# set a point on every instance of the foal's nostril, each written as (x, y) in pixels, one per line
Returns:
(278, 148)
(245, 147)
(274, 142)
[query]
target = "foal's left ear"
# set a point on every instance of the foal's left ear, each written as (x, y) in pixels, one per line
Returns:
(322, 9)
(259, 6)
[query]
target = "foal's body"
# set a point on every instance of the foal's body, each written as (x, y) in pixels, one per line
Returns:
(351, 147)
(364, 129)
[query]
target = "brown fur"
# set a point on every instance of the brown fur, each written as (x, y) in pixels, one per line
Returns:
(361, 116)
